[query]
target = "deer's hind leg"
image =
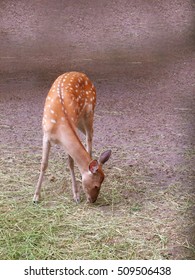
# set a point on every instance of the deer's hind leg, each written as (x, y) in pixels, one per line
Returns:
(86, 127)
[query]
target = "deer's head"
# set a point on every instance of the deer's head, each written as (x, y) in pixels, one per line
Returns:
(94, 177)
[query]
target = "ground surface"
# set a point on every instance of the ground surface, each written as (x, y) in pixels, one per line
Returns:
(145, 114)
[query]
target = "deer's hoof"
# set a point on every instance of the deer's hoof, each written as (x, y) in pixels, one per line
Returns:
(36, 199)
(35, 202)
(77, 200)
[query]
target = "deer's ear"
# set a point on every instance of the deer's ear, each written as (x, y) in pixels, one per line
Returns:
(104, 157)
(93, 166)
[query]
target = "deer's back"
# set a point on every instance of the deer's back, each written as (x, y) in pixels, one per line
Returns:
(71, 99)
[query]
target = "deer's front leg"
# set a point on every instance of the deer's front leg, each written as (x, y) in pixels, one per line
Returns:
(89, 133)
(44, 164)
(75, 188)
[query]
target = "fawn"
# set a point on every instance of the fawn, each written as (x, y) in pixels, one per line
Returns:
(69, 105)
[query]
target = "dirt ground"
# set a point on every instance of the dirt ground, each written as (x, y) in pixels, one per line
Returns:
(145, 114)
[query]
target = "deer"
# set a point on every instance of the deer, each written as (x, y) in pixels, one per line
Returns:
(69, 107)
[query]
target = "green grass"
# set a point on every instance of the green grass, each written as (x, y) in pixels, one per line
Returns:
(128, 221)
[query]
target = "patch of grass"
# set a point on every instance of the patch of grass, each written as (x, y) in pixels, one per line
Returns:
(128, 221)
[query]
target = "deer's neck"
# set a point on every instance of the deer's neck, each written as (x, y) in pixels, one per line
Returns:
(73, 146)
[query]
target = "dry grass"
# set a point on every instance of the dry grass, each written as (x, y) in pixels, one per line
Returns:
(129, 220)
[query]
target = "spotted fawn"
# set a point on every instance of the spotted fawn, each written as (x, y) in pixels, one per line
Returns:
(69, 106)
